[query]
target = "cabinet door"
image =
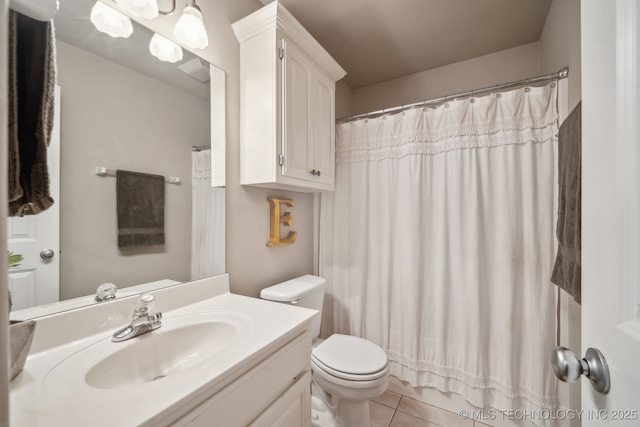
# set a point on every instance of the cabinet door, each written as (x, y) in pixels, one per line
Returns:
(292, 409)
(324, 128)
(267, 391)
(297, 82)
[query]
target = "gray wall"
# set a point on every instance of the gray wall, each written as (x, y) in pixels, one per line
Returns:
(560, 45)
(488, 70)
(344, 103)
(117, 118)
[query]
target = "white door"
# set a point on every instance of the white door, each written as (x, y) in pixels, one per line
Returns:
(611, 206)
(36, 280)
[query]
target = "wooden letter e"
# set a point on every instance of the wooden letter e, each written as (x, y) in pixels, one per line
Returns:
(278, 218)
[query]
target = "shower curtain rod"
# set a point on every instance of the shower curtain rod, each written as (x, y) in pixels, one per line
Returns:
(562, 74)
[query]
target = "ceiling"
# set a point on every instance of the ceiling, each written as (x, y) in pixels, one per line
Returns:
(373, 40)
(379, 40)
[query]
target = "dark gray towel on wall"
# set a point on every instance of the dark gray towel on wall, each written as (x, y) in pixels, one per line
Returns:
(567, 269)
(32, 79)
(140, 200)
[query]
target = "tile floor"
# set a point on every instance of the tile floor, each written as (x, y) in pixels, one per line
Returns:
(395, 410)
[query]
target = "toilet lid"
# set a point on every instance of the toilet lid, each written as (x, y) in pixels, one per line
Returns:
(350, 355)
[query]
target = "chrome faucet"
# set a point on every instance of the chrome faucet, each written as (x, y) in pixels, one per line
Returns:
(142, 322)
(106, 292)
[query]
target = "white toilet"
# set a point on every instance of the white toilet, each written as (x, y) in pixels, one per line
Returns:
(346, 371)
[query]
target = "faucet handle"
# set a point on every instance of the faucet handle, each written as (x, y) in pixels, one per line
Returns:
(143, 305)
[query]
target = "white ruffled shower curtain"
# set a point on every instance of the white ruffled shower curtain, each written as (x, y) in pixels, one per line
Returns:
(438, 244)
(207, 220)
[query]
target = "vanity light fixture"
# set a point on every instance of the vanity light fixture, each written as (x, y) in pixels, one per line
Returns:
(110, 21)
(189, 29)
(147, 9)
(164, 49)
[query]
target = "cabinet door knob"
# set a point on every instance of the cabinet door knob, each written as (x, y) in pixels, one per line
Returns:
(318, 173)
(313, 172)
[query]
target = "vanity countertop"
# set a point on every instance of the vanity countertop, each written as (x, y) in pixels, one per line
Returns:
(39, 398)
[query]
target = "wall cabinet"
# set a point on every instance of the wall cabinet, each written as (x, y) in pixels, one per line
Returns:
(287, 103)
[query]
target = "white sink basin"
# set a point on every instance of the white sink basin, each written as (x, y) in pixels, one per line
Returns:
(182, 343)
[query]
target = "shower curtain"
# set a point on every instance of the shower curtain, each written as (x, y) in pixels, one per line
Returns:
(438, 244)
(207, 220)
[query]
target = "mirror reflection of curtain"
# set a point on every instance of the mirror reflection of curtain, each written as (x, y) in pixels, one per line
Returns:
(207, 220)
(438, 244)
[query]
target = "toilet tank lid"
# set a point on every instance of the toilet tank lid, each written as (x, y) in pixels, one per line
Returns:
(294, 289)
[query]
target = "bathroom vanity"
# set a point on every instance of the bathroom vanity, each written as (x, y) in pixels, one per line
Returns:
(217, 359)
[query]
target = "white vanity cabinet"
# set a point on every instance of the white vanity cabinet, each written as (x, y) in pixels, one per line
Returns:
(274, 392)
(287, 92)
(219, 359)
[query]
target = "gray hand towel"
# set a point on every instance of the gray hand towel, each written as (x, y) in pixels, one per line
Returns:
(567, 269)
(32, 78)
(140, 200)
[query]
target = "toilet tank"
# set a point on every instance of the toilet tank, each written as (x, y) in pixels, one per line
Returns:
(304, 291)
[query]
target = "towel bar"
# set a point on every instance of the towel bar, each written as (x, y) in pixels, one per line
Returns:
(102, 171)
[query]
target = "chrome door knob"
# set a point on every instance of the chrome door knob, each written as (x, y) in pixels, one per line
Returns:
(47, 254)
(568, 367)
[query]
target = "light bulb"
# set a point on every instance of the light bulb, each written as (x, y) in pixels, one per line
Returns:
(164, 49)
(110, 21)
(190, 29)
(147, 9)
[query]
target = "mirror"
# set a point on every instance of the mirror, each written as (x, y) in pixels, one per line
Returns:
(120, 108)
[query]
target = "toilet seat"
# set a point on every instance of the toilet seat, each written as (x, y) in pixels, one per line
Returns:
(350, 358)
